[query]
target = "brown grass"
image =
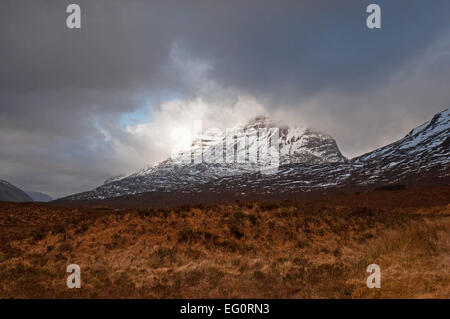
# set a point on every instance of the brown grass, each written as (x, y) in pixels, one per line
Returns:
(314, 249)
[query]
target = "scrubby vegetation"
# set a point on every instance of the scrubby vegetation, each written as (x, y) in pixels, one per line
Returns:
(317, 249)
(391, 187)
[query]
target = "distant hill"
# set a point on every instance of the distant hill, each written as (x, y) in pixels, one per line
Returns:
(10, 193)
(39, 197)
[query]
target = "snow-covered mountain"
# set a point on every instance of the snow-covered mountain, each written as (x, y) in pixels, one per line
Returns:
(425, 149)
(245, 149)
(421, 157)
(235, 162)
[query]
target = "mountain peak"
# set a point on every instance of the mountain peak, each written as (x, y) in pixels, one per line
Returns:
(439, 122)
(258, 122)
(308, 161)
(215, 154)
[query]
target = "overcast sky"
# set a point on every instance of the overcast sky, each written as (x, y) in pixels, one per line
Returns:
(77, 106)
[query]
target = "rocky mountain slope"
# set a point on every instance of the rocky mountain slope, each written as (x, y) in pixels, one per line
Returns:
(421, 157)
(215, 155)
(306, 161)
(10, 193)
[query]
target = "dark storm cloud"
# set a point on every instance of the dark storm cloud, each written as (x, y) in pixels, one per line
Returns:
(303, 47)
(118, 47)
(58, 87)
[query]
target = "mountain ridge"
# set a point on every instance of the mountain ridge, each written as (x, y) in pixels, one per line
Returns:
(11, 193)
(207, 159)
(308, 161)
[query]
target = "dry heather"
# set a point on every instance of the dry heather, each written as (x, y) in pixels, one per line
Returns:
(316, 249)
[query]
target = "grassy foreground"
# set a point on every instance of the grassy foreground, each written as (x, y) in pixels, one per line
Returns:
(316, 249)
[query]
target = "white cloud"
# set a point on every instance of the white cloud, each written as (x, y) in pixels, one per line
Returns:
(211, 104)
(158, 137)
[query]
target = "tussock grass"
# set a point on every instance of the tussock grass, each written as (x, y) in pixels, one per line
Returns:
(239, 250)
